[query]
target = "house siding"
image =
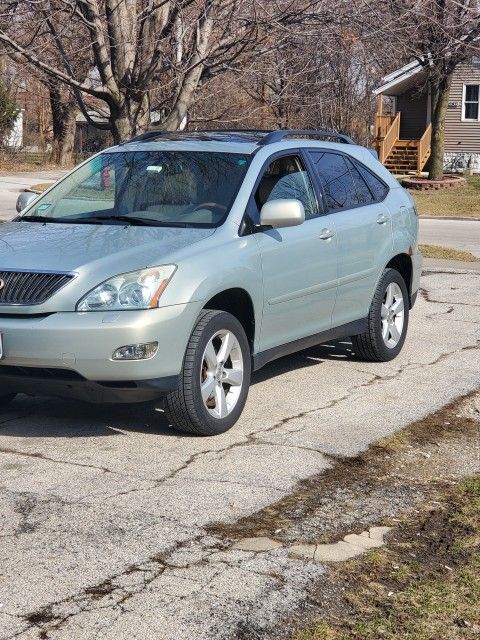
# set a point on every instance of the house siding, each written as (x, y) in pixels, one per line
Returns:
(461, 137)
(413, 119)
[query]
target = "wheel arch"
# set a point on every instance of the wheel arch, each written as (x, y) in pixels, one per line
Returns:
(239, 303)
(402, 262)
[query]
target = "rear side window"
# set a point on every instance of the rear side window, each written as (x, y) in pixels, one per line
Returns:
(364, 195)
(376, 186)
(336, 180)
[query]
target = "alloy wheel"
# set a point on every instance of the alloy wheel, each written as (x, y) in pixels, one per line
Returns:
(392, 315)
(221, 376)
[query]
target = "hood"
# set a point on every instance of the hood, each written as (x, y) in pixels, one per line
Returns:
(108, 249)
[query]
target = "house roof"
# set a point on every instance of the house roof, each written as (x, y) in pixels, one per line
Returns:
(400, 80)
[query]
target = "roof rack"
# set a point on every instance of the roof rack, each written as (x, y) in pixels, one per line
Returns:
(277, 136)
(204, 134)
(262, 137)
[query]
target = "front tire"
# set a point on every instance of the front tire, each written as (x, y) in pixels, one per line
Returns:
(387, 320)
(215, 377)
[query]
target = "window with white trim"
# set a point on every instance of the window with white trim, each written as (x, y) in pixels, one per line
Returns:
(471, 102)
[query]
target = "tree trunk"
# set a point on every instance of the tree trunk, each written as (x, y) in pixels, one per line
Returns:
(64, 113)
(440, 93)
(131, 118)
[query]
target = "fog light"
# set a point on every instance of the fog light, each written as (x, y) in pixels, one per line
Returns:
(136, 351)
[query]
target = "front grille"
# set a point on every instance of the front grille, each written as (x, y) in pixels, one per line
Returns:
(30, 287)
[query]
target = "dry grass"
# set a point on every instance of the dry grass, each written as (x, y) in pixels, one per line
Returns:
(424, 586)
(425, 583)
(446, 253)
(41, 186)
(21, 166)
(455, 201)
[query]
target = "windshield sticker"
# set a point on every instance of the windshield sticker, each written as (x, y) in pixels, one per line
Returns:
(43, 207)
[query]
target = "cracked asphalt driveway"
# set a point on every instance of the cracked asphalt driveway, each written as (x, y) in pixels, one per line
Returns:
(104, 511)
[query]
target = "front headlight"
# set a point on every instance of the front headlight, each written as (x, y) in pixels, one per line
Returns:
(135, 290)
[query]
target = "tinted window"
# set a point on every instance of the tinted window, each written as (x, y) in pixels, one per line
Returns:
(336, 180)
(376, 186)
(364, 195)
(287, 178)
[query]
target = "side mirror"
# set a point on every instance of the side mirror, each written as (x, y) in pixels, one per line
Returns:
(25, 199)
(282, 213)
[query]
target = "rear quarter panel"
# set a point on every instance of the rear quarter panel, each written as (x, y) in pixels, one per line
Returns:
(405, 232)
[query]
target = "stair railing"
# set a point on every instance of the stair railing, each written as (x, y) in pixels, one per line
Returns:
(388, 141)
(382, 124)
(424, 146)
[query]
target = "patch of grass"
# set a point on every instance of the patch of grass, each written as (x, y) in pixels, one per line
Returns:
(395, 442)
(424, 586)
(446, 253)
(454, 201)
(41, 186)
(321, 631)
(14, 166)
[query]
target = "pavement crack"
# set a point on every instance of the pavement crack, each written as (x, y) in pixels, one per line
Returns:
(427, 296)
(41, 456)
(51, 618)
(186, 464)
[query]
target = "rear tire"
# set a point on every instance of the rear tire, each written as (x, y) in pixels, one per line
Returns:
(6, 398)
(215, 377)
(387, 320)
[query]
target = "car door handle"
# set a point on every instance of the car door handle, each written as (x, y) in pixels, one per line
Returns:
(382, 219)
(326, 234)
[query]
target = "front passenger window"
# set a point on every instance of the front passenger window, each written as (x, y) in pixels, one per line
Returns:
(287, 178)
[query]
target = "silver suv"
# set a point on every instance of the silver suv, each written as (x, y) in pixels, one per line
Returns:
(174, 265)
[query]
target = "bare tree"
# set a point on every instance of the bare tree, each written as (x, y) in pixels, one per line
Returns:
(441, 35)
(319, 74)
(143, 54)
(449, 34)
(64, 110)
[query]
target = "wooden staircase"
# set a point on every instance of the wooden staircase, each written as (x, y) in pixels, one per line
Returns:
(401, 156)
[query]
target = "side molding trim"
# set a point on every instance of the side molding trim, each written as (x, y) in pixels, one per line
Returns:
(336, 333)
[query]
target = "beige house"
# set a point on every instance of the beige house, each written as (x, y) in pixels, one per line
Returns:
(403, 119)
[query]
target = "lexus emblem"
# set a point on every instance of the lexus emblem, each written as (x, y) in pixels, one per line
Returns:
(2, 283)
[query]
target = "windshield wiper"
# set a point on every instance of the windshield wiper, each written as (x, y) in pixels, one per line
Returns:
(37, 219)
(130, 220)
(133, 220)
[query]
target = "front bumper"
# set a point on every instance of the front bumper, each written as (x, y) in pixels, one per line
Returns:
(36, 381)
(70, 354)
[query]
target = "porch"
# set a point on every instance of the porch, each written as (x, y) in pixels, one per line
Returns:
(402, 129)
(399, 154)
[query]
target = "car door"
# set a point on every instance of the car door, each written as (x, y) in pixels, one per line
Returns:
(354, 197)
(299, 264)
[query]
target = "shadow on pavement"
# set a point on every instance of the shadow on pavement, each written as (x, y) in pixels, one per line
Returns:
(39, 417)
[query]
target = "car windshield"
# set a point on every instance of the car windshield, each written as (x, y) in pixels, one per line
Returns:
(164, 188)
